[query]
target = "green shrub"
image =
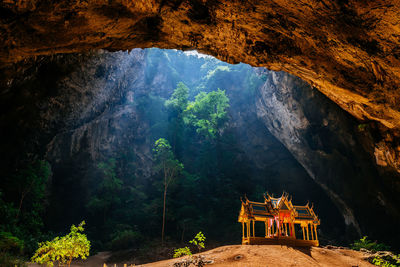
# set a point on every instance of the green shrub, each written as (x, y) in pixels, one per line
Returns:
(369, 245)
(126, 239)
(10, 249)
(63, 249)
(388, 261)
(179, 252)
(198, 241)
(10, 243)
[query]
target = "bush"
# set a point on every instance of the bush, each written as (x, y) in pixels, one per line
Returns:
(126, 239)
(198, 241)
(10, 247)
(179, 252)
(10, 243)
(63, 249)
(390, 261)
(369, 245)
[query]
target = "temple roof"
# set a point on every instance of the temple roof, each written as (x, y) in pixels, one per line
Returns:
(305, 213)
(273, 207)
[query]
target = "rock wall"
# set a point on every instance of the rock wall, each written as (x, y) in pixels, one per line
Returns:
(331, 146)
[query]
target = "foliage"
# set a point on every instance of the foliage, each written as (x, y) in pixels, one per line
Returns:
(63, 249)
(31, 184)
(179, 252)
(176, 106)
(166, 161)
(107, 192)
(369, 245)
(170, 167)
(179, 99)
(8, 243)
(198, 241)
(208, 113)
(10, 248)
(126, 239)
(391, 261)
(23, 202)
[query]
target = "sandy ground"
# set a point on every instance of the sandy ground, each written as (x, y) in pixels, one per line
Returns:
(257, 256)
(277, 256)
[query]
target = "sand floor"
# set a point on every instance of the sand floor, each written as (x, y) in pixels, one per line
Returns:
(256, 256)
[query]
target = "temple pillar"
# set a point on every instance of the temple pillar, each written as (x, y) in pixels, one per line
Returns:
(316, 236)
(253, 229)
(293, 231)
(279, 229)
(308, 237)
(272, 226)
(286, 232)
(242, 229)
(312, 231)
(304, 237)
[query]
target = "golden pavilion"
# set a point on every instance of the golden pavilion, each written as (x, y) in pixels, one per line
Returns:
(285, 224)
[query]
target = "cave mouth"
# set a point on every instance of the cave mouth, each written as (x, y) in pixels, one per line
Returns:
(96, 119)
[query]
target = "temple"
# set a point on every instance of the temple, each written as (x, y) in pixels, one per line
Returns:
(285, 224)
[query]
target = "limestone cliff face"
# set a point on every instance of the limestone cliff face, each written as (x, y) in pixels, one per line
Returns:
(349, 50)
(330, 145)
(53, 95)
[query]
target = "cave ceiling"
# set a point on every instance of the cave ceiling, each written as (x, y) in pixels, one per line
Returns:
(349, 50)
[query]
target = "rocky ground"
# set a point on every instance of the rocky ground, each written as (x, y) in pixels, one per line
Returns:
(255, 256)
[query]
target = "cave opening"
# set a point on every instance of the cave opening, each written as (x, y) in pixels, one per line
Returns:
(95, 119)
(73, 116)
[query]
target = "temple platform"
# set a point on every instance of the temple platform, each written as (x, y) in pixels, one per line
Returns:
(286, 241)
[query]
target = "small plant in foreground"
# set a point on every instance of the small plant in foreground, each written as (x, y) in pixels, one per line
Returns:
(390, 261)
(179, 252)
(198, 241)
(63, 249)
(369, 245)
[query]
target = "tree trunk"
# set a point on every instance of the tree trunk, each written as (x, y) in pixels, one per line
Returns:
(163, 222)
(183, 232)
(20, 205)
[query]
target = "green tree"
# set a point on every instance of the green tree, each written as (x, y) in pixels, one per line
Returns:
(10, 249)
(23, 202)
(176, 106)
(63, 249)
(208, 113)
(107, 194)
(31, 185)
(179, 99)
(170, 167)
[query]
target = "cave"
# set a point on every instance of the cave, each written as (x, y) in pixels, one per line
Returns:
(313, 111)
